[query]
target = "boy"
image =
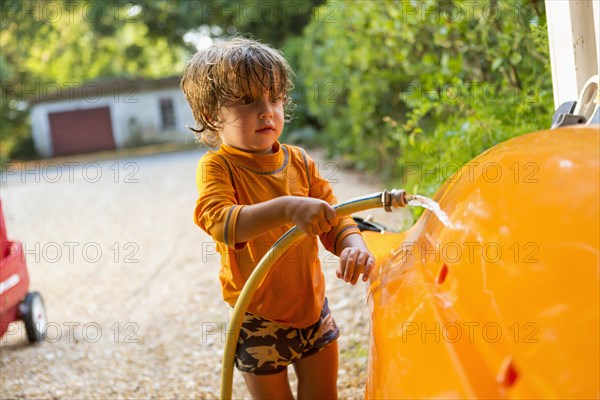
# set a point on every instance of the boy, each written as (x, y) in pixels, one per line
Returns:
(251, 191)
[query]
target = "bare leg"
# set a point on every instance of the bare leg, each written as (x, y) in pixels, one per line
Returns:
(276, 386)
(317, 374)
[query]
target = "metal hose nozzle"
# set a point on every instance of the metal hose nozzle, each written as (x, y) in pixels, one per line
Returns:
(394, 199)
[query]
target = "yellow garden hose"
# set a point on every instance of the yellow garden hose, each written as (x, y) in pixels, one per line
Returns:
(395, 199)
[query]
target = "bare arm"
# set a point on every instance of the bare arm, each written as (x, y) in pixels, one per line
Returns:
(355, 258)
(312, 216)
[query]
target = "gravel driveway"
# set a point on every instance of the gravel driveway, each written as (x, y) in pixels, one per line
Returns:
(131, 284)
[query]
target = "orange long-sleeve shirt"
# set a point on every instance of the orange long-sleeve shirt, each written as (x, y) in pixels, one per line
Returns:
(293, 292)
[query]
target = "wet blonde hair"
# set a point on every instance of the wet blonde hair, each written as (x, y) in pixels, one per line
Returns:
(226, 72)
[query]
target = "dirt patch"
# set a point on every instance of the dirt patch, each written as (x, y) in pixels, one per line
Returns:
(130, 283)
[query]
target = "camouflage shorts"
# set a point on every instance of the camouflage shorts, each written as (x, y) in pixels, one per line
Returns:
(266, 347)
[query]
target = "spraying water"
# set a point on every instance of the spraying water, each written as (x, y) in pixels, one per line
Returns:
(426, 202)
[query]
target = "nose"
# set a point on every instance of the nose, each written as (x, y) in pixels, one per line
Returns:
(265, 110)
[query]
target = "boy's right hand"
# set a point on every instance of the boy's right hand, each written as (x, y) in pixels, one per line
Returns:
(312, 216)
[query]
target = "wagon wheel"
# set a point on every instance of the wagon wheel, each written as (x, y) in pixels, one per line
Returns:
(33, 313)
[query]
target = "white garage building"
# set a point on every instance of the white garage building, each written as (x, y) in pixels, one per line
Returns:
(109, 114)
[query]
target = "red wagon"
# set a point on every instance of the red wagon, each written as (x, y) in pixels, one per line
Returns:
(16, 302)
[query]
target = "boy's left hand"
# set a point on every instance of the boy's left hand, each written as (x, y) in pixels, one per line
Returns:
(353, 262)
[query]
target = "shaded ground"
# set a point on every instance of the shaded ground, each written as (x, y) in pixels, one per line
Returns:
(130, 283)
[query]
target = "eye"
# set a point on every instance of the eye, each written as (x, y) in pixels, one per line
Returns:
(246, 100)
(278, 99)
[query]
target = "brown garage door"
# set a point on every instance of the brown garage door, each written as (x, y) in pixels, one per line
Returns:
(81, 131)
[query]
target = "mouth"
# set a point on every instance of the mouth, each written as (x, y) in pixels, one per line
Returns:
(266, 129)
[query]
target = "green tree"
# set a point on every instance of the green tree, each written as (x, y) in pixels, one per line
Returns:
(414, 86)
(51, 45)
(62, 43)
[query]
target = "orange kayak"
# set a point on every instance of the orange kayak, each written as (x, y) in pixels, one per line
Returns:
(505, 302)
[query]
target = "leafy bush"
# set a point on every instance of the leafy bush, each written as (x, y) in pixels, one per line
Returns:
(415, 89)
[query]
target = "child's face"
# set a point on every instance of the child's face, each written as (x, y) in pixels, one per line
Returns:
(254, 123)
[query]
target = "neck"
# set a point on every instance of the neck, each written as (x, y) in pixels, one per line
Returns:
(268, 150)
